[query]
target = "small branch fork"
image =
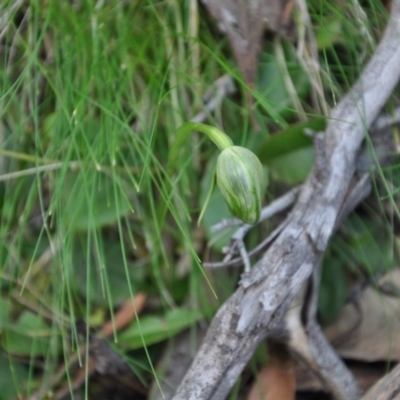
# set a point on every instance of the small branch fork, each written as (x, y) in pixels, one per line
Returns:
(288, 270)
(237, 240)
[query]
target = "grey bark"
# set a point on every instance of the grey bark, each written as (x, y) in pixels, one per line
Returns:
(387, 388)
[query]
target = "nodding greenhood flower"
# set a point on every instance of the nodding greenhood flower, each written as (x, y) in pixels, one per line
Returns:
(238, 174)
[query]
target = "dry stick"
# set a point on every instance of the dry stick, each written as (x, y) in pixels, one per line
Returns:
(387, 388)
(7, 12)
(262, 299)
(301, 332)
(237, 242)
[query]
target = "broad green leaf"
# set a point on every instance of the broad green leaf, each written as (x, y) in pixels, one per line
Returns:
(271, 83)
(367, 245)
(107, 274)
(293, 167)
(29, 336)
(289, 154)
(333, 289)
(5, 310)
(155, 329)
(53, 126)
(91, 199)
(289, 139)
(13, 377)
(216, 211)
(330, 32)
(362, 248)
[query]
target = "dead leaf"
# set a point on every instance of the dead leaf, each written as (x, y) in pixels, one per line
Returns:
(275, 381)
(245, 22)
(368, 329)
(125, 314)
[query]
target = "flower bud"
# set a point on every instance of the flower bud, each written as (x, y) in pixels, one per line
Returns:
(239, 176)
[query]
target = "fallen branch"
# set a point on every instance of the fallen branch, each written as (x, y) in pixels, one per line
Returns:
(387, 388)
(256, 310)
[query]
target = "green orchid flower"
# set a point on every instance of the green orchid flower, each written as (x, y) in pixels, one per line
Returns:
(238, 173)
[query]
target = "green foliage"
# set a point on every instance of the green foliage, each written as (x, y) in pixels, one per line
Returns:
(28, 336)
(334, 288)
(362, 249)
(289, 154)
(106, 276)
(92, 96)
(368, 245)
(216, 211)
(289, 139)
(13, 377)
(102, 204)
(294, 167)
(154, 329)
(271, 80)
(330, 33)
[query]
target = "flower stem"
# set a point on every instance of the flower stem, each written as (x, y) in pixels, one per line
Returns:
(220, 139)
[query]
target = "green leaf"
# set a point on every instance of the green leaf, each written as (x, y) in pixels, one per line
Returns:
(333, 289)
(5, 310)
(367, 244)
(112, 273)
(29, 336)
(361, 248)
(213, 185)
(216, 211)
(13, 377)
(153, 329)
(293, 167)
(271, 83)
(289, 139)
(330, 32)
(90, 199)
